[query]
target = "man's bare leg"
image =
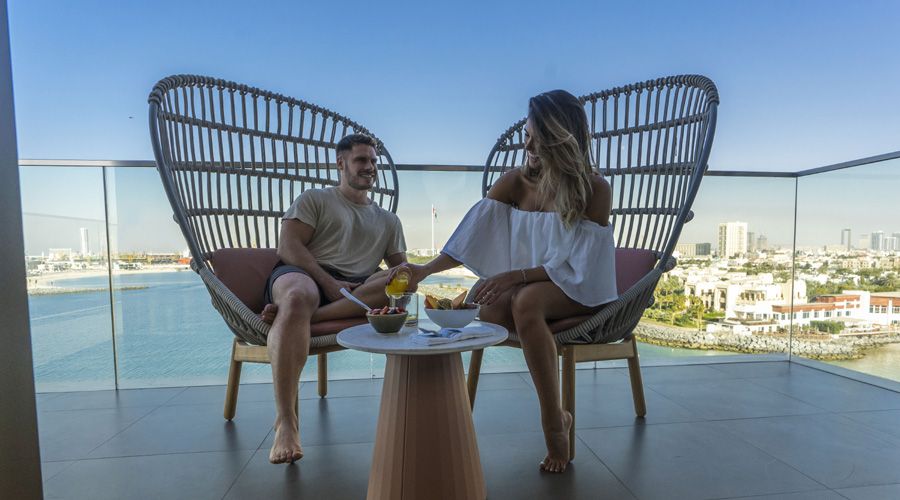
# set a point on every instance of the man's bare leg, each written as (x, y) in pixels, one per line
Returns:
(296, 297)
(371, 293)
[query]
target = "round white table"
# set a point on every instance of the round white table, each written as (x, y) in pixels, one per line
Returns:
(425, 443)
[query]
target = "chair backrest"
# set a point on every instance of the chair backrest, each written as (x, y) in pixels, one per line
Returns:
(233, 158)
(651, 141)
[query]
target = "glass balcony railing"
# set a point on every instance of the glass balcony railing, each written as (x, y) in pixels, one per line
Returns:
(773, 266)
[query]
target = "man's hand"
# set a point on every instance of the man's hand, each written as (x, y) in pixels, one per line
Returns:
(494, 286)
(333, 290)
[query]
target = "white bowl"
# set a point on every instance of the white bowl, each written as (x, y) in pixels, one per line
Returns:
(456, 318)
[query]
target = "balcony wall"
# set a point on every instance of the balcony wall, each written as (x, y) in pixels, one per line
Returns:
(129, 322)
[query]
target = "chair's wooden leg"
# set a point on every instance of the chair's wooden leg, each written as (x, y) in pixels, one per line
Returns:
(637, 383)
(234, 383)
(323, 374)
(568, 391)
(474, 372)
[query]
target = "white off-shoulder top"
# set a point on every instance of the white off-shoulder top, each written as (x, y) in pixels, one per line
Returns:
(495, 237)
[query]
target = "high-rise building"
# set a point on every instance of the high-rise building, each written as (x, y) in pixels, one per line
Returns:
(732, 239)
(845, 238)
(876, 241)
(889, 244)
(85, 242)
(762, 243)
(693, 249)
(863, 242)
(751, 242)
(686, 249)
(896, 237)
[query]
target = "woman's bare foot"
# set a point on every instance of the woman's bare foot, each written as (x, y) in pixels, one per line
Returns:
(286, 448)
(557, 446)
(268, 313)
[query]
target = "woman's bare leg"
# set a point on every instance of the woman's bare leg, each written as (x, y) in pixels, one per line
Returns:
(531, 307)
(500, 311)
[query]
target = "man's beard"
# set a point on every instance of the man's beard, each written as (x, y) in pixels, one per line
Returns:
(360, 183)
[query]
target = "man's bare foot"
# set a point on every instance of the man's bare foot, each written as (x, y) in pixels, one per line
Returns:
(558, 446)
(286, 448)
(268, 313)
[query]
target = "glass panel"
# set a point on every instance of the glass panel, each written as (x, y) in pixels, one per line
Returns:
(848, 238)
(68, 281)
(167, 332)
(730, 293)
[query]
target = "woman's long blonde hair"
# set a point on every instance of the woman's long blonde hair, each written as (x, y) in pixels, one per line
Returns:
(562, 139)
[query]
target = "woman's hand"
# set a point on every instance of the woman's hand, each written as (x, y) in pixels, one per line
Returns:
(494, 286)
(417, 273)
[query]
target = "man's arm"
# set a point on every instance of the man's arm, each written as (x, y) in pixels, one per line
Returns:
(295, 235)
(396, 259)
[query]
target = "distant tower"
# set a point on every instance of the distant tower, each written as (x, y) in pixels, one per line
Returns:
(751, 242)
(889, 244)
(845, 238)
(863, 242)
(762, 243)
(732, 239)
(877, 241)
(85, 242)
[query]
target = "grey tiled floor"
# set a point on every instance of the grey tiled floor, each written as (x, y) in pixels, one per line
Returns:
(750, 430)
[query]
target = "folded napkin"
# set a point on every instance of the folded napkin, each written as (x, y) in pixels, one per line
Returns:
(448, 335)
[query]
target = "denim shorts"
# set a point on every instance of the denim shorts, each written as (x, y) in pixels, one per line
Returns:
(281, 269)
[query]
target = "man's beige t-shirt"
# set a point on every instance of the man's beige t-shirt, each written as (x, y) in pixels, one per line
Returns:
(349, 238)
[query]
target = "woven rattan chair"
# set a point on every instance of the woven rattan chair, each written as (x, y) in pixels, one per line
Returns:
(651, 141)
(232, 158)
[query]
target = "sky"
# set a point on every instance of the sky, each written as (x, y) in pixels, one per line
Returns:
(802, 84)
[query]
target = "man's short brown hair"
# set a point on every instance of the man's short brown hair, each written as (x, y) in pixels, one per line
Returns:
(347, 143)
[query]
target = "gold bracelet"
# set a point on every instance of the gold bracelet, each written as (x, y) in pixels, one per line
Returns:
(524, 278)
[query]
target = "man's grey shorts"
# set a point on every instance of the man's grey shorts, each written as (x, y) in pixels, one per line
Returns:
(281, 269)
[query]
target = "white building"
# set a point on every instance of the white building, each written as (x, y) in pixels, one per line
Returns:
(693, 249)
(85, 242)
(732, 239)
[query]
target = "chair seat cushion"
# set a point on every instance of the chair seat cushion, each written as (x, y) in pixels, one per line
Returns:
(245, 272)
(334, 326)
(632, 264)
(559, 325)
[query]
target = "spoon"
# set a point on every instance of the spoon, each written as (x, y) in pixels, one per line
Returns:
(353, 299)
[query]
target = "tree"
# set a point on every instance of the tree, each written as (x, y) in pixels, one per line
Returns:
(695, 310)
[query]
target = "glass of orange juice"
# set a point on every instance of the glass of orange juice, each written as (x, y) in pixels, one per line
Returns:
(398, 285)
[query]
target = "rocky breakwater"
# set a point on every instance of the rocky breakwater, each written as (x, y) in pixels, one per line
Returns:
(814, 346)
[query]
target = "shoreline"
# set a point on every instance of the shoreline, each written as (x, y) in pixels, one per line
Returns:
(44, 284)
(58, 290)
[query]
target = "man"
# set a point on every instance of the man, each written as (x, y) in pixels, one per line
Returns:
(331, 238)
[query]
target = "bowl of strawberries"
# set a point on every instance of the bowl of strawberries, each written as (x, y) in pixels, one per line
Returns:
(387, 319)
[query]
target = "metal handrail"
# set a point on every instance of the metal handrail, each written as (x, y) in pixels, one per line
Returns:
(417, 167)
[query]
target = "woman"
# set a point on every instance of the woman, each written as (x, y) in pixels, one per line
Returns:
(542, 243)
